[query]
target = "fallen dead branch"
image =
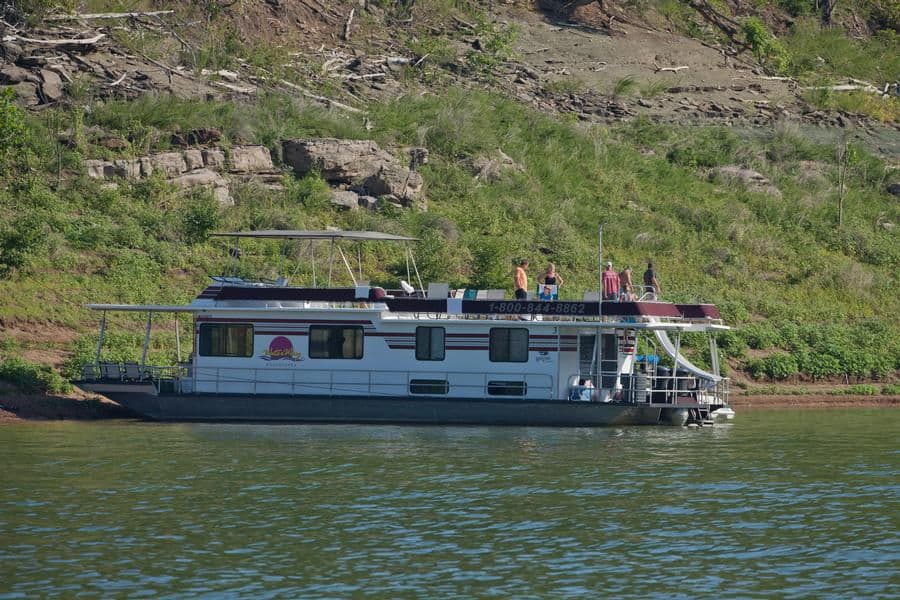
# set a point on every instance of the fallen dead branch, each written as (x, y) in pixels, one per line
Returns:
(324, 100)
(119, 80)
(122, 15)
(235, 88)
(345, 34)
(54, 43)
(847, 87)
(658, 69)
(366, 76)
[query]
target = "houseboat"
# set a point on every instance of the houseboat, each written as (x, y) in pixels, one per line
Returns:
(268, 351)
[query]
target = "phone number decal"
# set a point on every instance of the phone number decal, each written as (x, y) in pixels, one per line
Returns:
(544, 308)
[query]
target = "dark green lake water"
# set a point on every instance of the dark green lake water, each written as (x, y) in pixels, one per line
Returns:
(780, 504)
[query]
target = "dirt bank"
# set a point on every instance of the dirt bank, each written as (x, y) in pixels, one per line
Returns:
(812, 401)
(18, 406)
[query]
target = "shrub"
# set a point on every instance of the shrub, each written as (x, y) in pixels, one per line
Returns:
(199, 217)
(495, 46)
(775, 366)
(32, 377)
(818, 365)
(707, 148)
(768, 51)
(891, 389)
(760, 336)
(732, 344)
(12, 125)
(862, 389)
(21, 241)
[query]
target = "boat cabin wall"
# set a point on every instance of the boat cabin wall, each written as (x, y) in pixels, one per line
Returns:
(363, 355)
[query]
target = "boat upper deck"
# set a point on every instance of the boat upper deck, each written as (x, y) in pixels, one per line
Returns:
(398, 303)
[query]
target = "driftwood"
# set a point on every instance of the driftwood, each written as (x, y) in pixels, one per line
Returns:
(53, 43)
(846, 87)
(119, 80)
(235, 88)
(366, 76)
(345, 34)
(124, 15)
(657, 68)
(327, 101)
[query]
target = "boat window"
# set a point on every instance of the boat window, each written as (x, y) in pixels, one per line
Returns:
(331, 341)
(509, 344)
(219, 339)
(429, 386)
(507, 388)
(429, 343)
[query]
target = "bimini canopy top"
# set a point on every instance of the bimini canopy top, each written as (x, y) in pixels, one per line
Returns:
(285, 234)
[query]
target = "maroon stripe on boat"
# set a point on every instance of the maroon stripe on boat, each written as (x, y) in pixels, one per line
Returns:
(282, 293)
(640, 309)
(288, 333)
(699, 311)
(421, 305)
(308, 321)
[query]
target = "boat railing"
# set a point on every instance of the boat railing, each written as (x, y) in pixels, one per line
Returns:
(642, 388)
(376, 383)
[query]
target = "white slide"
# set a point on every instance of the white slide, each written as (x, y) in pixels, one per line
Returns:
(683, 363)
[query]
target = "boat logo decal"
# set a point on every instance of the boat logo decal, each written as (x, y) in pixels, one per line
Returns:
(281, 348)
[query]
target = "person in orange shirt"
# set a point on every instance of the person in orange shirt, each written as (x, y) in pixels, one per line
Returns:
(520, 281)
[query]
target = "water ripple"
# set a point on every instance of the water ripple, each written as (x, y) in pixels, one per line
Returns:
(779, 504)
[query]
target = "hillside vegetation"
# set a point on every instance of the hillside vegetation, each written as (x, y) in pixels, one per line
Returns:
(808, 275)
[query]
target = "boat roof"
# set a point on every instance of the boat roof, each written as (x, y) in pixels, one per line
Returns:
(157, 308)
(287, 234)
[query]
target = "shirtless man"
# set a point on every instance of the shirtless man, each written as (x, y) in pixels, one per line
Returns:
(520, 281)
(625, 283)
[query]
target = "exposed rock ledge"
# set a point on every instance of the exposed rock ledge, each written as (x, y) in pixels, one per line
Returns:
(361, 174)
(194, 167)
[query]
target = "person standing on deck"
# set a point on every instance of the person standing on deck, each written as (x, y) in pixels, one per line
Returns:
(651, 284)
(627, 289)
(610, 283)
(551, 277)
(520, 281)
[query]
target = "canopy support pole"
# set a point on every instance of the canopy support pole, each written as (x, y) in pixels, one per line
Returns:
(677, 352)
(100, 339)
(312, 255)
(146, 340)
(330, 261)
(600, 269)
(177, 340)
(416, 269)
(347, 264)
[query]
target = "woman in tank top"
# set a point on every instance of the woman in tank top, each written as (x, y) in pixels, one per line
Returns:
(551, 277)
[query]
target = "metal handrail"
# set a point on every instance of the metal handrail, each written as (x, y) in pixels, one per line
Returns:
(669, 392)
(222, 377)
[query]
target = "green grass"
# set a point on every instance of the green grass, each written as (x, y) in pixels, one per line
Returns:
(760, 259)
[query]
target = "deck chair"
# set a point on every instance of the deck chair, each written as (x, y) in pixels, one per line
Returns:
(470, 294)
(591, 297)
(496, 294)
(132, 372)
(438, 290)
(110, 371)
(481, 295)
